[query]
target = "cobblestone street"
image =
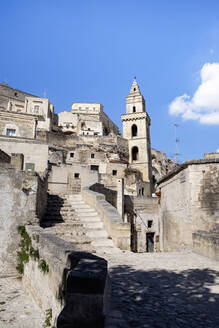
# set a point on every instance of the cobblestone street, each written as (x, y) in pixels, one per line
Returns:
(163, 290)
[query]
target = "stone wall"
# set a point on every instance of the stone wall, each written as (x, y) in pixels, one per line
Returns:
(66, 179)
(110, 195)
(18, 194)
(113, 223)
(206, 244)
(34, 151)
(4, 158)
(189, 202)
(70, 284)
(24, 125)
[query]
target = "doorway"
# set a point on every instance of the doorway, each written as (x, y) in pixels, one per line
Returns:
(150, 242)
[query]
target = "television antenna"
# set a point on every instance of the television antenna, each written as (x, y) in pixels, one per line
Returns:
(177, 140)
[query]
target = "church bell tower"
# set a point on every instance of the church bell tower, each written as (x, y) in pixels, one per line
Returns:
(136, 129)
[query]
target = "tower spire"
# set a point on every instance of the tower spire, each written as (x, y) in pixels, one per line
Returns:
(135, 90)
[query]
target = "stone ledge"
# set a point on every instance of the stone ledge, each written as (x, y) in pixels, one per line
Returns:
(185, 165)
(116, 228)
(74, 278)
(206, 243)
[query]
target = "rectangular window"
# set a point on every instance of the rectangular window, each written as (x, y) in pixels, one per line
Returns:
(11, 132)
(92, 155)
(94, 167)
(29, 167)
(36, 109)
(77, 175)
(72, 155)
(150, 222)
(114, 172)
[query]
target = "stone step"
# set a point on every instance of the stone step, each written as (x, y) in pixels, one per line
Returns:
(104, 242)
(70, 235)
(54, 217)
(69, 226)
(73, 202)
(86, 212)
(96, 233)
(81, 207)
(94, 225)
(80, 240)
(85, 219)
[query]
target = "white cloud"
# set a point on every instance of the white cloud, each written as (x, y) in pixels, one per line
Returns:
(204, 105)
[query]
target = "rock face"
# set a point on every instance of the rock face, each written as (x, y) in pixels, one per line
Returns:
(161, 165)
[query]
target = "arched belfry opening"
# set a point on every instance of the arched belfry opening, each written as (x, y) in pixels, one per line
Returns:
(134, 109)
(134, 130)
(135, 153)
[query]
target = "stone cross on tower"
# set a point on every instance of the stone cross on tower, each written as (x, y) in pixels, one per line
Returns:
(136, 128)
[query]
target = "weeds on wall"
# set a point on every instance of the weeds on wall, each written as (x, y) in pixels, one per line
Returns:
(48, 318)
(43, 266)
(26, 251)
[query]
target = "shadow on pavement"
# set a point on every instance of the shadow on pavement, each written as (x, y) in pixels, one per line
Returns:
(161, 298)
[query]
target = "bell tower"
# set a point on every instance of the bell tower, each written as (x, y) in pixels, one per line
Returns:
(136, 129)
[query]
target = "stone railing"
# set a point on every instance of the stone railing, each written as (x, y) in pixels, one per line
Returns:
(67, 284)
(116, 228)
(207, 244)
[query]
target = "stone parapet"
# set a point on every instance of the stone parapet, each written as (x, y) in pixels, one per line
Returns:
(72, 288)
(117, 230)
(206, 243)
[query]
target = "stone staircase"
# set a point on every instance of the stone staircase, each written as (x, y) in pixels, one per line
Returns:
(93, 225)
(71, 219)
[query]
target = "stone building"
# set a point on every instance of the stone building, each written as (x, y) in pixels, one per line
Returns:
(83, 148)
(190, 206)
(86, 119)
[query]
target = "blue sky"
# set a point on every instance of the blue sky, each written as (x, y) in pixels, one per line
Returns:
(90, 50)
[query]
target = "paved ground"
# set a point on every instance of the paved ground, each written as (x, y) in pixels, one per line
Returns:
(160, 290)
(17, 310)
(165, 290)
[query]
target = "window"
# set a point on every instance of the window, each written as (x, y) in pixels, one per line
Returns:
(72, 155)
(135, 153)
(36, 109)
(15, 94)
(94, 167)
(134, 109)
(29, 167)
(150, 223)
(134, 89)
(77, 175)
(11, 132)
(142, 191)
(114, 172)
(92, 155)
(134, 130)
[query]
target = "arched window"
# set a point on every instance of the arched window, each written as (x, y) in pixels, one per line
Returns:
(134, 109)
(83, 125)
(134, 130)
(135, 153)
